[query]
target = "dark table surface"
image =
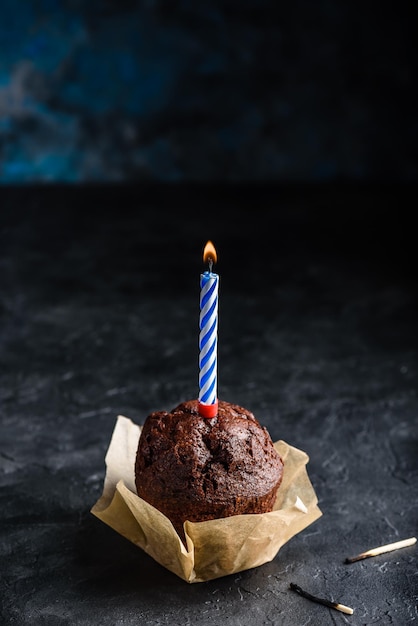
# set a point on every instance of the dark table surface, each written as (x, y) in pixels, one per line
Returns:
(317, 336)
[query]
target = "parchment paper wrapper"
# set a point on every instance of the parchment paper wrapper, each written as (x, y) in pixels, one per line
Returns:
(214, 548)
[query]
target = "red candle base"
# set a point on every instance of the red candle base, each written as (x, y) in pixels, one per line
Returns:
(208, 410)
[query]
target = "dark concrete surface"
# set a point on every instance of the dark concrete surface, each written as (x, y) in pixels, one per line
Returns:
(317, 336)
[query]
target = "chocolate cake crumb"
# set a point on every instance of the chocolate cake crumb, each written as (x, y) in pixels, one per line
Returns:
(194, 468)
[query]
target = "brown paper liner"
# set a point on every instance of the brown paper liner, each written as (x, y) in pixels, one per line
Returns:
(214, 548)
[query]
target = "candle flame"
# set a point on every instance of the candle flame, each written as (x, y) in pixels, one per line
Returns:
(209, 253)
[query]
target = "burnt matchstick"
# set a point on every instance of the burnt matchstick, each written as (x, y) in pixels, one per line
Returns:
(332, 605)
(382, 549)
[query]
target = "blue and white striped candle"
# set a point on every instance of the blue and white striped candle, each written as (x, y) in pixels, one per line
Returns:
(208, 338)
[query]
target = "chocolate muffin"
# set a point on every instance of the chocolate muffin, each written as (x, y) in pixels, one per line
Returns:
(194, 468)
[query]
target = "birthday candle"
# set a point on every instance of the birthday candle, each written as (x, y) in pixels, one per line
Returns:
(208, 338)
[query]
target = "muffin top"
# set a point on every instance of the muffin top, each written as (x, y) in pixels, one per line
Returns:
(219, 461)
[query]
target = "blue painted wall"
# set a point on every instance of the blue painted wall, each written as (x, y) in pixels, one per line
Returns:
(187, 91)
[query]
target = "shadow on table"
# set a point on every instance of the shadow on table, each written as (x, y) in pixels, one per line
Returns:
(107, 564)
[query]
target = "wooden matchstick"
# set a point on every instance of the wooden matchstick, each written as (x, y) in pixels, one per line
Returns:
(387, 548)
(332, 605)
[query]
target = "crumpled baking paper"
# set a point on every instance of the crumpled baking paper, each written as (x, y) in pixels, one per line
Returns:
(216, 547)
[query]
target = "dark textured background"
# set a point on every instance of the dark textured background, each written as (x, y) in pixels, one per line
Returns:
(318, 336)
(182, 91)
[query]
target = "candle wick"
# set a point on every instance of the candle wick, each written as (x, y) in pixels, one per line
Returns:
(210, 261)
